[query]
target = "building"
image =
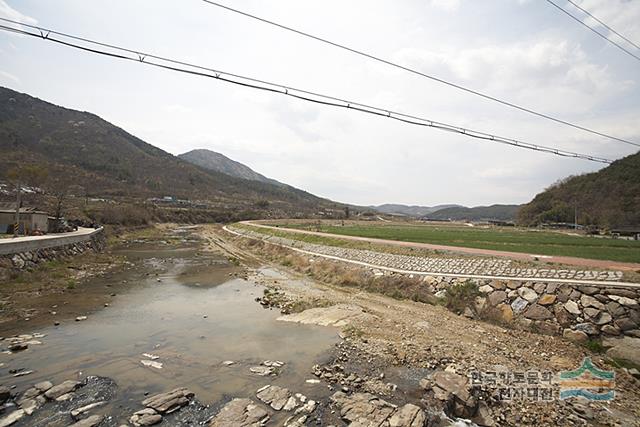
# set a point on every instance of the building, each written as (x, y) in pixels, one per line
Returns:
(31, 219)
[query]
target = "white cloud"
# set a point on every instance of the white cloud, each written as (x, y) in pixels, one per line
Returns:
(8, 12)
(557, 69)
(446, 5)
(621, 15)
(8, 76)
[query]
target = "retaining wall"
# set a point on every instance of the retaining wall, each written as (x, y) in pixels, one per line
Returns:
(26, 253)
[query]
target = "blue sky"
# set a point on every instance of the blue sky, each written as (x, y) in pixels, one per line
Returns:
(522, 51)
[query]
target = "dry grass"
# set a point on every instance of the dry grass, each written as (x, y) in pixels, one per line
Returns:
(396, 285)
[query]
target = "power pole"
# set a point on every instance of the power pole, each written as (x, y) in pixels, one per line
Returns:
(16, 226)
(575, 217)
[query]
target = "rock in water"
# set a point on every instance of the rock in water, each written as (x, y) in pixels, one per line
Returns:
(240, 413)
(274, 396)
(61, 389)
(12, 418)
(91, 421)
(168, 402)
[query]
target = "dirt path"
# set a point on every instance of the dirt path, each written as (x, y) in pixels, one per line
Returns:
(582, 262)
(391, 337)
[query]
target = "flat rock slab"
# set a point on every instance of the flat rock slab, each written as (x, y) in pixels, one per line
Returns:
(365, 409)
(62, 389)
(241, 413)
(91, 421)
(170, 401)
(274, 396)
(336, 315)
(12, 418)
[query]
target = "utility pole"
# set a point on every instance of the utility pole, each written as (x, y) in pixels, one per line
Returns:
(16, 226)
(575, 217)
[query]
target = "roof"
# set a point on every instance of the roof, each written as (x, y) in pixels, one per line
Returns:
(10, 207)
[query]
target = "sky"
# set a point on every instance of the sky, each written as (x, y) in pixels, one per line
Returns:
(523, 51)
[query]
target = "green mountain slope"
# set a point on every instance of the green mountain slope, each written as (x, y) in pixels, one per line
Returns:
(82, 149)
(479, 213)
(607, 198)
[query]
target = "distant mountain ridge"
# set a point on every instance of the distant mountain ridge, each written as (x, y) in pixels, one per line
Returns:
(217, 162)
(399, 209)
(478, 213)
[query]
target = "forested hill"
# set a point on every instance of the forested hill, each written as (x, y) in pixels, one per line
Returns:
(82, 149)
(607, 198)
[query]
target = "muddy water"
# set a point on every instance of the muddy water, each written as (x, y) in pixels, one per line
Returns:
(192, 315)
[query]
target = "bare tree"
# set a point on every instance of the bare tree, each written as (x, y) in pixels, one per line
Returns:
(33, 175)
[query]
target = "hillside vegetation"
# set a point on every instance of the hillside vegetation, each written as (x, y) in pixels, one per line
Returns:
(82, 149)
(608, 198)
(479, 213)
(218, 162)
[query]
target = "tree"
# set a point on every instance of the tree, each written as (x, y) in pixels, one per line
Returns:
(32, 175)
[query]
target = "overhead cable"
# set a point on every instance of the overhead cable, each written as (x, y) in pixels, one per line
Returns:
(422, 74)
(578, 20)
(193, 69)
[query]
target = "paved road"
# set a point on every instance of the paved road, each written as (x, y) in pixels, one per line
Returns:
(582, 262)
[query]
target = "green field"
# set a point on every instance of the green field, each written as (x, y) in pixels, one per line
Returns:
(497, 238)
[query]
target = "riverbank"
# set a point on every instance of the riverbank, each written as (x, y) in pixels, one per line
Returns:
(210, 328)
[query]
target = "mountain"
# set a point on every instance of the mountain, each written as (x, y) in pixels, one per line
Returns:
(479, 213)
(217, 162)
(81, 149)
(607, 198)
(395, 209)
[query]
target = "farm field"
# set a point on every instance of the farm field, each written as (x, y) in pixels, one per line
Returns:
(495, 238)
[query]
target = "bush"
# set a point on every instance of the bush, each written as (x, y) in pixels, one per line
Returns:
(460, 296)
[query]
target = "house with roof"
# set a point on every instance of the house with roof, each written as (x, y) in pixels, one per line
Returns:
(31, 219)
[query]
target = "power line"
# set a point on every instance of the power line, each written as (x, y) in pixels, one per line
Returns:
(420, 73)
(604, 25)
(578, 20)
(172, 64)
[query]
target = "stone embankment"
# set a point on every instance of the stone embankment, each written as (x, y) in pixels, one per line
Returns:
(580, 312)
(17, 255)
(480, 266)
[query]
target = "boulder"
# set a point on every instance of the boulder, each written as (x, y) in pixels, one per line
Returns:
(408, 416)
(626, 348)
(274, 396)
(240, 413)
(627, 302)
(485, 289)
(363, 409)
(518, 305)
(59, 390)
(572, 307)
(547, 299)
(506, 313)
(538, 312)
(615, 309)
(603, 318)
(587, 328)
(625, 324)
(528, 294)
(589, 301)
(497, 297)
(575, 336)
(91, 421)
(170, 401)
(610, 330)
(12, 418)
